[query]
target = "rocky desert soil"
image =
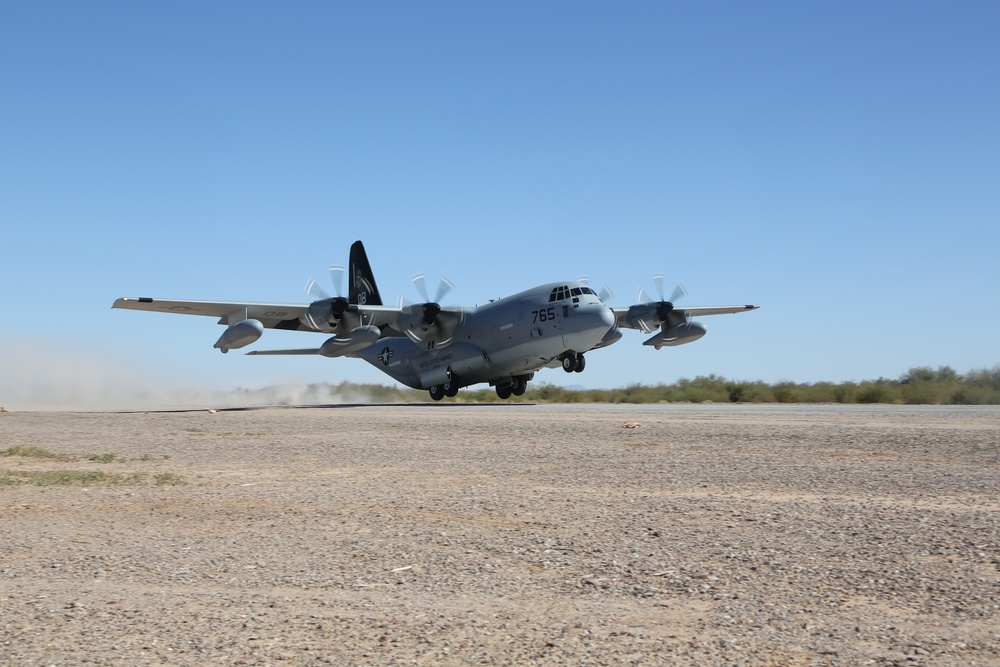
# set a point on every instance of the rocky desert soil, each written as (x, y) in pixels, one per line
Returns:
(502, 535)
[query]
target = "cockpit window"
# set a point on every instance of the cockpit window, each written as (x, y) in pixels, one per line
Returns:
(564, 292)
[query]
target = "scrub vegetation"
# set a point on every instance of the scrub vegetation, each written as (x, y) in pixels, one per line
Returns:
(22, 454)
(918, 386)
(85, 478)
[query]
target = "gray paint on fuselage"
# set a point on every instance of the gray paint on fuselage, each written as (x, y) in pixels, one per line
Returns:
(512, 336)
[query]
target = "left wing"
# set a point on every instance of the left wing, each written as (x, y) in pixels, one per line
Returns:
(673, 325)
(646, 316)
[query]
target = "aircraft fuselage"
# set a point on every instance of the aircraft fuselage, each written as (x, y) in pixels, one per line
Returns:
(502, 340)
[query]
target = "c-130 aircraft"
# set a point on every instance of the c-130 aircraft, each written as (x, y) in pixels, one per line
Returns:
(427, 346)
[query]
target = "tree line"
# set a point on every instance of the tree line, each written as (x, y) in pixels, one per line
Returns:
(918, 386)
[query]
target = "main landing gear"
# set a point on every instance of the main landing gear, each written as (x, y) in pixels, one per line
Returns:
(516, 387)
(449, 389)
(573, 362)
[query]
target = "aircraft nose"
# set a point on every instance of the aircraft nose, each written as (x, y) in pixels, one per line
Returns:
(607, 317)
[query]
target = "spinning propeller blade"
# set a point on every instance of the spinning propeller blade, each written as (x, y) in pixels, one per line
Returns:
(325, 308)
(605, 295)
(661, 311)
(429, 321)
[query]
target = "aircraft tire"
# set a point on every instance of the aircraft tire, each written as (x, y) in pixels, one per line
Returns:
(503, 391)
(569, 362)
(436, 392)
(581, 363)
(451, 388)
(520, 386)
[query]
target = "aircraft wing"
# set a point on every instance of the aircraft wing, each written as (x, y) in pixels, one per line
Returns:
(271, 315)
(626, 317)
(291, 317)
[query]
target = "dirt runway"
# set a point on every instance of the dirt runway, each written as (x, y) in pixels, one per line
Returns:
(502, 535)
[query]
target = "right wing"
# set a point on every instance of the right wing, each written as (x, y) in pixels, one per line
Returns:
(287, 316)
(354, 326)
(271, 315)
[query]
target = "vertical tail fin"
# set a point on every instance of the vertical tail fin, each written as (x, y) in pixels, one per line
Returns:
(362, 289)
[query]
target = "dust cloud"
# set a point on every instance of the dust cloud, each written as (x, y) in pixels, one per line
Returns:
(37, 376)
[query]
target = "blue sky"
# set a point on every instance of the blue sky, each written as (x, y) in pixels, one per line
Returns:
(837, 163)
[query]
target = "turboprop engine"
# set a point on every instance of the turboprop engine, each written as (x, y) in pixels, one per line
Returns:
(675, 326)
(325, 314)
(239, 335)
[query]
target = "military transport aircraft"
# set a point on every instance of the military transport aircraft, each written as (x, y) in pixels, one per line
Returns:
(428, 346)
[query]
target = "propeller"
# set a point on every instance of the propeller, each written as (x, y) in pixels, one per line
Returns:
(662, 311)
(420, 282)
(336, 277)
(606, 295)
(428, 320)
(326, 310)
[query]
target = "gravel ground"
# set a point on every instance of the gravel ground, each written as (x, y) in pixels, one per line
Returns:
(502, 534)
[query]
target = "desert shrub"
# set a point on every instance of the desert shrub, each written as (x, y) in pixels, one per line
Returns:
(704, 388)
(985, 378)
(876, 392)
(759, 392)
(821, 392)
(919, 385)
(33, 452)
(785, 392)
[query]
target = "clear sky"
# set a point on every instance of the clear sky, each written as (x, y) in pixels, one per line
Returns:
(837, 163)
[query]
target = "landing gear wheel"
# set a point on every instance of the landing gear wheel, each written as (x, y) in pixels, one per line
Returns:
(436, 392)
(581, 363)
(451, 388)
(503, 391)
(569, 361)
(520, 386)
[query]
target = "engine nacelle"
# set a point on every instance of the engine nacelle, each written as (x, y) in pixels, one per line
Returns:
(677, 335)
(356, 339)
(324, 315)
(642, 316)
(239, 335)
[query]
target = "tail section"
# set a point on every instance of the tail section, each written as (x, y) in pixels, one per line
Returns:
(362, 289)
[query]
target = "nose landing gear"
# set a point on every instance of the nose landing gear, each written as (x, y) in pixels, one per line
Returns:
(573, 362)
